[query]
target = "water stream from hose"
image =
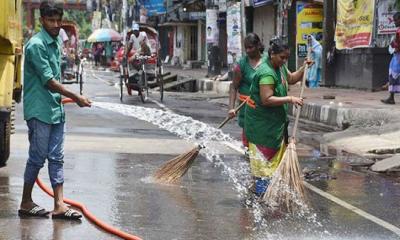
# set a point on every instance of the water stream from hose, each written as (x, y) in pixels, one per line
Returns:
(201, 133)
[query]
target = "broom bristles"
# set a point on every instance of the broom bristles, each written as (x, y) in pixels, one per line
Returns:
(175, 168)
(286, 190)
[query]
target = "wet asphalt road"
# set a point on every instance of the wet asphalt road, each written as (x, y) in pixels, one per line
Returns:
(109, 158)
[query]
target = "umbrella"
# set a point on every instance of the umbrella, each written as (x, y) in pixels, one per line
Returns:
(105, 35)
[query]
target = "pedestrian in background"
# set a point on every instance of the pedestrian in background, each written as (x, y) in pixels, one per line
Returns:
(266, 118)
(108, 53)
(243, 75)
(314, 72)
(98, 51)
(394, 67)
(44, 113)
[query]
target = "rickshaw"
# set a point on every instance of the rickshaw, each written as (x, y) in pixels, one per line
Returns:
(150, 74)
(72, 64)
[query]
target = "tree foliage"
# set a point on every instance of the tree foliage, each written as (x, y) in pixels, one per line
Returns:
(82, 19)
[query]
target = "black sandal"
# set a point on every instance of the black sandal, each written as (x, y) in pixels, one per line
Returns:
(35, 211)
(68, 215)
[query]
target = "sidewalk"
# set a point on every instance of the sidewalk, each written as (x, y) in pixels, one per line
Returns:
(339, 108)
(349, 107)
(364, 125)
(370, 128)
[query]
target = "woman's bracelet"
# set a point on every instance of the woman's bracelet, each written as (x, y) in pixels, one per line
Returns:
(290, 99)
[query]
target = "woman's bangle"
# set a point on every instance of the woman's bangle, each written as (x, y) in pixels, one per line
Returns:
(290, 99)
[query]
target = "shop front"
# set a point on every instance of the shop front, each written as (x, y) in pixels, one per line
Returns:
(360, 57)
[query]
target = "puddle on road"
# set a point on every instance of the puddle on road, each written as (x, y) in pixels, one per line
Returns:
(200, 133)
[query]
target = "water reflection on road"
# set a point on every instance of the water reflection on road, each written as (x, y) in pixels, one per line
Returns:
(236, 170)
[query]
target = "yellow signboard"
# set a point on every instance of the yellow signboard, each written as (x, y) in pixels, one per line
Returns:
(355, 21)
(309, 21)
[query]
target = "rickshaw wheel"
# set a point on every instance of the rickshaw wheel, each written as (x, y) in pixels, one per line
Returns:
(160, 81)
(143, 92)
(121, 88)
(81, 83)
(80, 79)
(141, 95)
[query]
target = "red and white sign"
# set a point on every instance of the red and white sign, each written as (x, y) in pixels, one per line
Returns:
(386, 10)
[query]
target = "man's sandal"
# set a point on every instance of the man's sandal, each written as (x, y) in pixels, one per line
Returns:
(68, 215)
(35, 211)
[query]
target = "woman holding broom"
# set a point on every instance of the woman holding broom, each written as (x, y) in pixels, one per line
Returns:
(243, 74)
(266, 113)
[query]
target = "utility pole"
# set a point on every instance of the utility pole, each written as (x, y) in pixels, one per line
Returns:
(124, 19)
(328, 75)
(124, 33)
(279, 10)
(243, 23)
(98, 5)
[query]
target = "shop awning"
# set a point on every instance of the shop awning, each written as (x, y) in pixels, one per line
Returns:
(259, 3)
(171, 24)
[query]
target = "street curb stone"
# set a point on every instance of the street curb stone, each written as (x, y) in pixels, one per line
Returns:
(386, 164)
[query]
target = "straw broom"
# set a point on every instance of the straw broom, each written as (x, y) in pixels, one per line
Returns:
(286, 190)
(175, 168)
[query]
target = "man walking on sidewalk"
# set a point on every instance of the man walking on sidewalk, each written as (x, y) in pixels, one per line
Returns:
(394, 67)
(44, 113)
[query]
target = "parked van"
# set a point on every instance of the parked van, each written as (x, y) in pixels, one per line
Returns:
(10, 69)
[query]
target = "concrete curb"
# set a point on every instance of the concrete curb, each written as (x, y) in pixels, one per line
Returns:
(342, 117)
(206, 84)
(333, 114)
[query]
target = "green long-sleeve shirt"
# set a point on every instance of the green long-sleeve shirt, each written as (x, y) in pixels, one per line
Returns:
(41, 64)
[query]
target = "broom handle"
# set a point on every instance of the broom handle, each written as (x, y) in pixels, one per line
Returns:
(236, 110)
(303, 84)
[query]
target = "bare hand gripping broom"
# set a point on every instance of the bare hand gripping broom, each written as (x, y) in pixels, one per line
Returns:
(175, 168)
(286, 190)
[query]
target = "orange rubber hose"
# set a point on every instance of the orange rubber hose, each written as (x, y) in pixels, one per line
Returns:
(85, 211)
(89, 215)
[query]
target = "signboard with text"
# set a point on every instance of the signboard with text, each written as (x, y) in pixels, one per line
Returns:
(197, 15)
(212, 32)
(154, 7)
(355, 21)
(309, 22)
(386, 10)
(233, 28)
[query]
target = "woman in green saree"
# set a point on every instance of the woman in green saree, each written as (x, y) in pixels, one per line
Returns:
(266, 113)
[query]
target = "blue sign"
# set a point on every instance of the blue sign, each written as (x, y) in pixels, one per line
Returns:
(258, 3)
(154, 7)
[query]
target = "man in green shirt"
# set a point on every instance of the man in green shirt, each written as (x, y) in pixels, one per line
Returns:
(44, 113)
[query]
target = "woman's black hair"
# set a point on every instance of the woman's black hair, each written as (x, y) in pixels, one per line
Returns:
(276, 46)
(254, 40)
(262, 48)
(49, 8)
(396, 15)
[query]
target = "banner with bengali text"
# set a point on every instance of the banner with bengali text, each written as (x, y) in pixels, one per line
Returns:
(355, 20)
